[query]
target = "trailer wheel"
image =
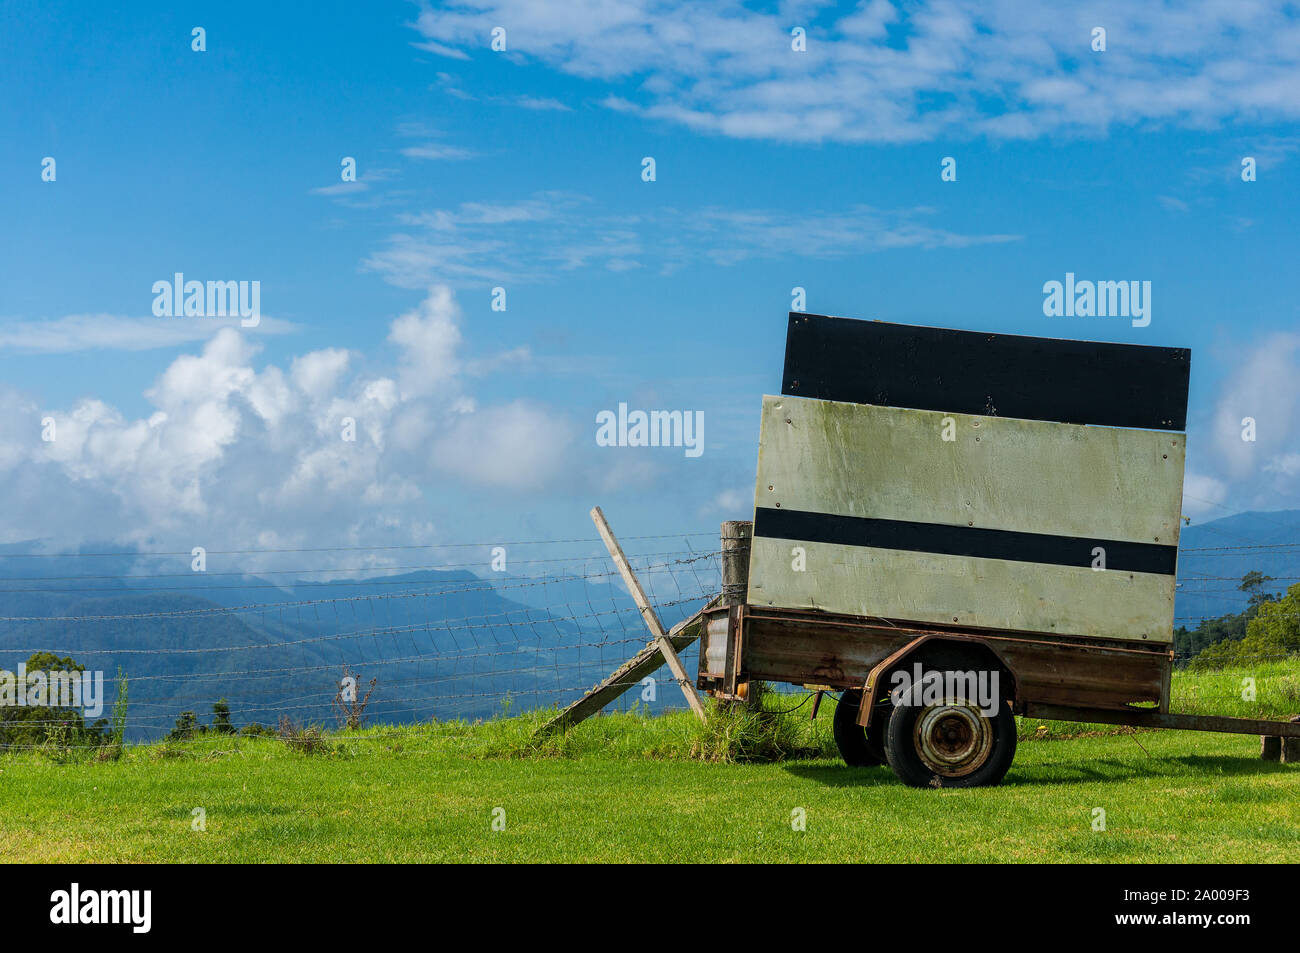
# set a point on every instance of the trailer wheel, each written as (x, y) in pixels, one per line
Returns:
(859, 747)
(950, 745)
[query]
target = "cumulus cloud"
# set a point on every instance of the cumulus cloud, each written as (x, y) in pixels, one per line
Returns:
(236, 450)
(1260, 399)
(493, 446)
(317, 373)
(429, 340)
(1264, 387)
(901, 72)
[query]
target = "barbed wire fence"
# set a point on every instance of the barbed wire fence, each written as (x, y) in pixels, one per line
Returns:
(466, 647)
(452, 645)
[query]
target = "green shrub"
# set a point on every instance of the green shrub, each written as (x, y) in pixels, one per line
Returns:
(221, 723)
(187, 725)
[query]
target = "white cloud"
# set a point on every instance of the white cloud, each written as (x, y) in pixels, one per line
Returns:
(530, 239)
(541, 103)
(739, 500)
(1260, 473)
(510, 446)
(1265, 387)
(619, 104)
(896, 72)
(433, 150)
(1287, 465)
(514, 357)
(416, 261)
(341, 188)
(317, 373)
(1204, 496)
(111, 332)
(731, 236)
(441, 50)
(236, 450)
(429, 338)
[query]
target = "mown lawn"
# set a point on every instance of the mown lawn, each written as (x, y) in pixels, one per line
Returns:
(625, 788)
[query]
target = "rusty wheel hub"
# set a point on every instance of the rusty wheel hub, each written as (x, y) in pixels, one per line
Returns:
(953, 740)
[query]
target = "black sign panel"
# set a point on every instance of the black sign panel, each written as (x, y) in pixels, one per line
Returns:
(991, 375)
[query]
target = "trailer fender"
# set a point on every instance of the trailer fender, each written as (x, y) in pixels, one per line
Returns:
(972, 650)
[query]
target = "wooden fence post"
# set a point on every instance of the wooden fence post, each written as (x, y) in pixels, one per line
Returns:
(736, 538)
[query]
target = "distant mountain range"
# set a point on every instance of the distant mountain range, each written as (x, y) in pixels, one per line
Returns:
(442, 643)
(1213, 556)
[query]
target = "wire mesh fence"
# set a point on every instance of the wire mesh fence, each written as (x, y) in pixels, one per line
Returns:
(439, 645)
(442, 641)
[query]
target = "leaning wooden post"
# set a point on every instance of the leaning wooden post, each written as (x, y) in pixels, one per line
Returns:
(648, 613)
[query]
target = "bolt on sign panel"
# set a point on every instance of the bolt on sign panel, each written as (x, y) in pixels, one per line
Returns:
(939, 515)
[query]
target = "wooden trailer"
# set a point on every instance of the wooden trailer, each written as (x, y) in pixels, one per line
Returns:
(941, 517)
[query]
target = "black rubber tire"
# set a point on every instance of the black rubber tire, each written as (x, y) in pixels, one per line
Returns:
(912, 769)
(859, 747)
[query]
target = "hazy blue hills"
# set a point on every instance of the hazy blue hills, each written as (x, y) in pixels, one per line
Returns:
(1213, 556)
(442, 643)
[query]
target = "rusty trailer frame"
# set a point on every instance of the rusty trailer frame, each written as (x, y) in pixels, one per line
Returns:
(1059, 678)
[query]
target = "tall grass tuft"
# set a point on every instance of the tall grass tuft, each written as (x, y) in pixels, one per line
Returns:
(306, 739)
(767, 728)
(112, 751)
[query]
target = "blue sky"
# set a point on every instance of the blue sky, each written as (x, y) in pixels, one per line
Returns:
(522, 169)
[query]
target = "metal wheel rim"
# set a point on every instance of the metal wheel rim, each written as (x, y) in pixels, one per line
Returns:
(953, 739)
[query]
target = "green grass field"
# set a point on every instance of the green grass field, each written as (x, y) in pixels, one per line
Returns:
(629, 788)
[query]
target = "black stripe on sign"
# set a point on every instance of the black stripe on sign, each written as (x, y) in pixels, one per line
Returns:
(988, 375)
(962, 541)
